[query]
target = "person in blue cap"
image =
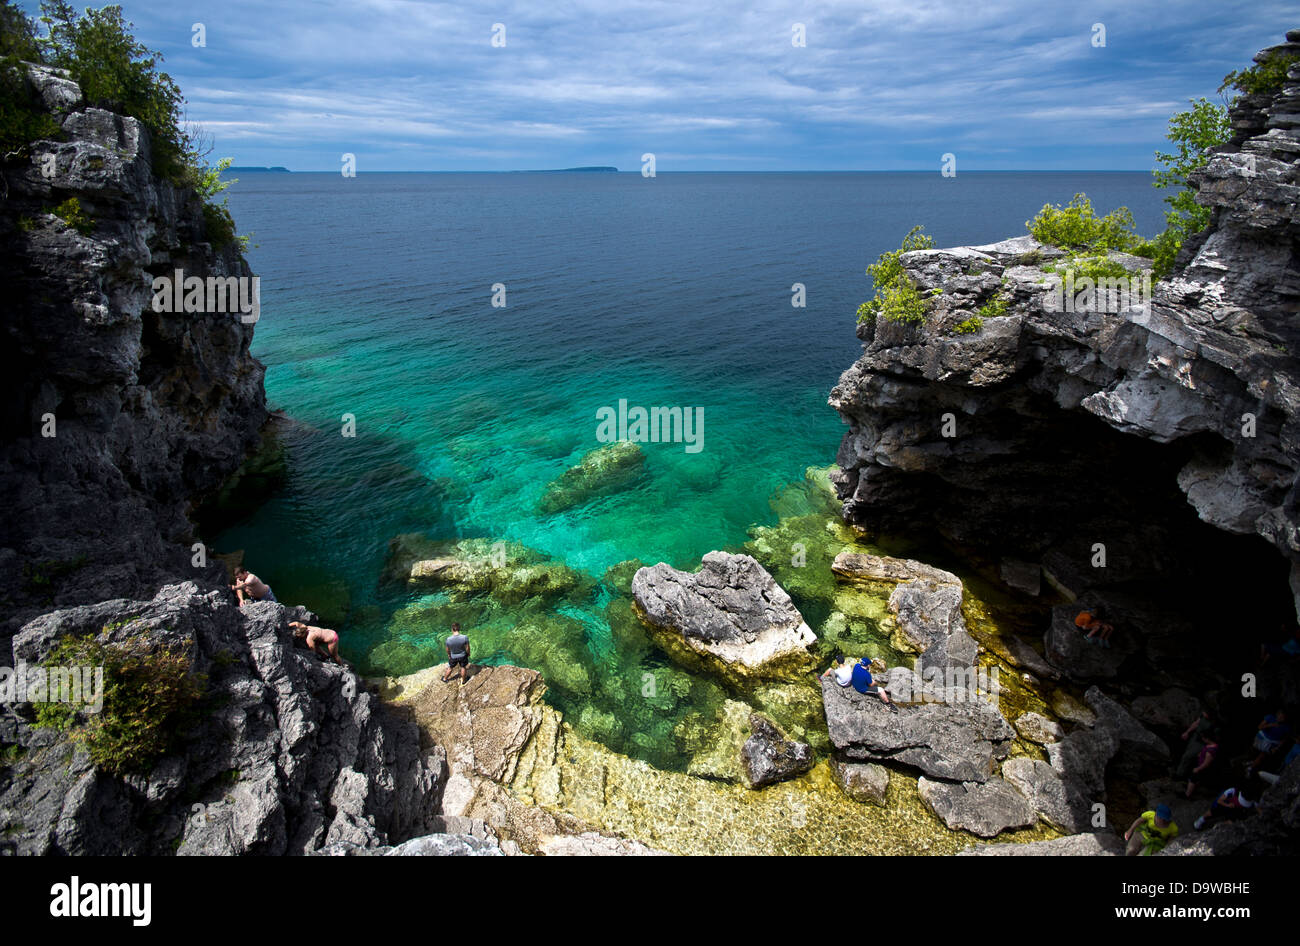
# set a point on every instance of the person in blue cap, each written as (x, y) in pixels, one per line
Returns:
(864, 683)
(1151, 832)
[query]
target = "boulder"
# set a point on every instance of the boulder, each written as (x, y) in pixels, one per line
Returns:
(985, 808)
(1038, 728)
(955, 741)
(929, 620)
(770, 756)
(1067, 647)
(1061, 803)
(730, 617)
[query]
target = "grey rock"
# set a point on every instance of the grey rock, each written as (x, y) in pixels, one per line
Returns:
(1060, 802)
(1075, 845)
(955, 741)
(984, 808)
(1038, 728)
(731, 614)
(1068, 649)
(770, 756)
(445, 845)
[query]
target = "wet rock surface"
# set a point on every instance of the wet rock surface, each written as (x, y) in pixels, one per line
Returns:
(731, 616)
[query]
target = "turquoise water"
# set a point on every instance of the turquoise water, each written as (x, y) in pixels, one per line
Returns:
(376, 303)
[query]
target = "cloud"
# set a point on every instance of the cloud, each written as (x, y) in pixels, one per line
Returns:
(1013, 83)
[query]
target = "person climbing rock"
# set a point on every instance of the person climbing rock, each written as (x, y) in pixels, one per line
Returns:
(1096, 631)
(1232, 803)
(1151, 832)
(321, 640)
(250, 588)
(457, 654)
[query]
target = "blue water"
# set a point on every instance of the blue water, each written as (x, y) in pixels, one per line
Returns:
(674, 291)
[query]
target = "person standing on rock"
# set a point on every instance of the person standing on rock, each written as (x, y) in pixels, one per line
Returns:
(1151, 832)
(250, 588)
(457, 654)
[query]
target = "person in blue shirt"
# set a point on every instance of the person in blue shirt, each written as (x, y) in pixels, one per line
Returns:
(864, 683)
(1272, 733)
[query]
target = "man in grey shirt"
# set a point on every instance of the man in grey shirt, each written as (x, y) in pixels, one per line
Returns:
(457, 654)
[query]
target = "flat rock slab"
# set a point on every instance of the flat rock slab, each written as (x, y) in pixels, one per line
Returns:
(731, 617)
(956, 741)
(983, 808)
(1076, 845)
(1038, 728)
(863, 566)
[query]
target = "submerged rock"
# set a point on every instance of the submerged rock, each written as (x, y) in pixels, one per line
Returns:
(604, 470)
(770, 756)
(508, 572)
(861, 781)
(1077, 845)
(731, 617)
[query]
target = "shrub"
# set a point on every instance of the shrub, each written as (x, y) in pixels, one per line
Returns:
(150, 699)
(969, 326)
(70, 212)
(1263, 78)
(995, 307)
(1090, 267)
(1077, 226)
(896, 298)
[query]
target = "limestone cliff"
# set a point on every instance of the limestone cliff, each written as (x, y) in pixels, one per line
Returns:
(274, 751)
(1137, 452)
(150, 410)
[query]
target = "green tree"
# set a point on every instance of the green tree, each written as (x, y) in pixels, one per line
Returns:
(1196, 132)
(118, 73)
(21, 120)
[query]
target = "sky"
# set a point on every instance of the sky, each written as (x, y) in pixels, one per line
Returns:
(409, 85)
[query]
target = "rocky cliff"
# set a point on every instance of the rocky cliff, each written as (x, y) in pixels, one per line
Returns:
(1137, 452)
(117, 419)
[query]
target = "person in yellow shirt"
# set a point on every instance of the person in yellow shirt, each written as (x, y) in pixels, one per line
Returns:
(1151, 832)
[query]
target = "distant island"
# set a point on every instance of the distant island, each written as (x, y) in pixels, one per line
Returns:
(246, 169)
(606, 170)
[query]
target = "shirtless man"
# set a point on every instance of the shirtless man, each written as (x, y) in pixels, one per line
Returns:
(318, 637)
(250, 588)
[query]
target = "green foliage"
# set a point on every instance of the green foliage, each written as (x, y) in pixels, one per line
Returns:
(896, 298)
(1090, 267)
(1077, 226)
(1195, 131)
(969, 326)
(118, 73)
(995, 307)
(150, 698)
(22, 121)
(70, 212)
(1263, 78)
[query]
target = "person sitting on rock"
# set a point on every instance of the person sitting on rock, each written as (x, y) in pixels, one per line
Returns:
(864, 683)
(250, 588)
(318, 638)
(1271, 778)
(1232, 803)
(457, 654)
(841, 668)
(1151, 832)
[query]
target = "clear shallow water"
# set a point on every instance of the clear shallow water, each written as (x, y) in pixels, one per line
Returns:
(376, 302)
